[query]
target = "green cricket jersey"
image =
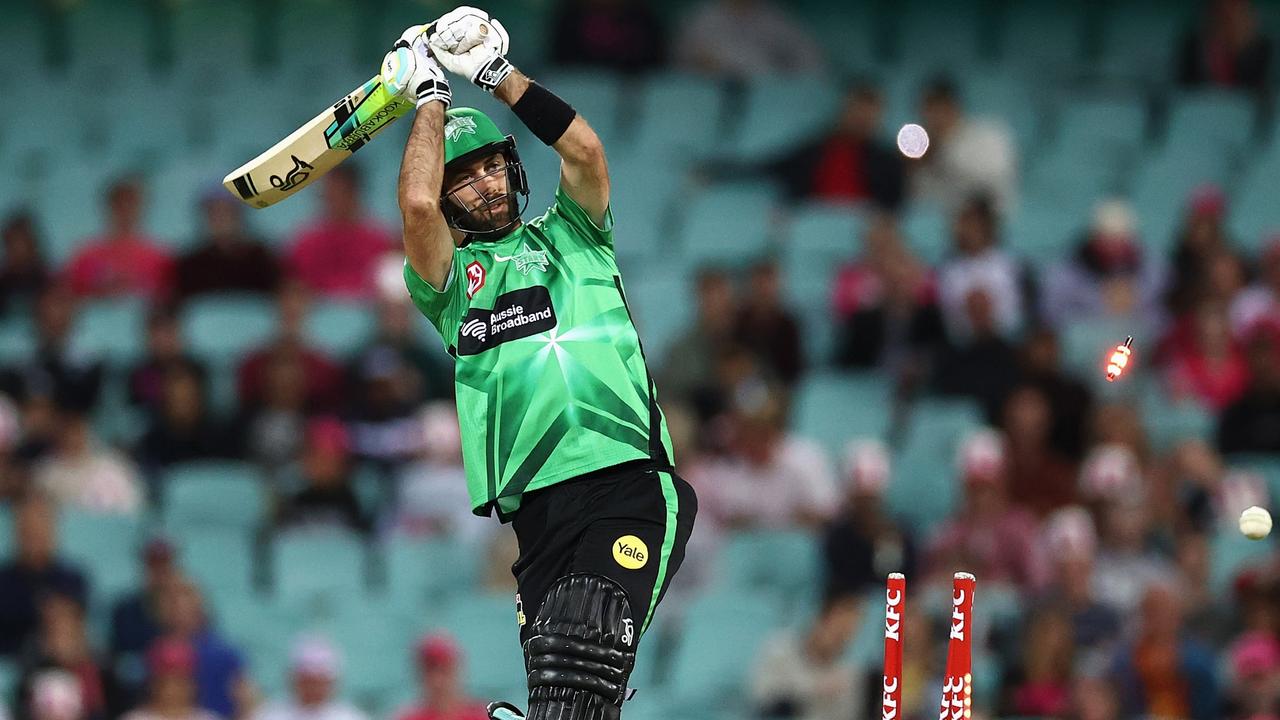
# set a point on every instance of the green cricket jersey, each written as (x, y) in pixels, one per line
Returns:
(551, 381)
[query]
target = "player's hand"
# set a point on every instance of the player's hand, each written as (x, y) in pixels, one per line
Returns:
(409, 70)
(468, 42)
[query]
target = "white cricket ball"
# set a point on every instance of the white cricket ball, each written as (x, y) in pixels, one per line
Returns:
(1255, 523)
(913, 141)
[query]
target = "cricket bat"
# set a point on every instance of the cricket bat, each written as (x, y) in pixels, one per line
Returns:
(317, 147)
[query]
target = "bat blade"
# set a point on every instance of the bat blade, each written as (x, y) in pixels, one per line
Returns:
(318, 146)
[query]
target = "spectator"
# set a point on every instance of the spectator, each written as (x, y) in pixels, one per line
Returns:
(1260, 302)
(1252, 422)
(1226, 49)
(1162, 673)
(967, 156)
(55, 695)
(886, 307)
(689, 370)
(978, 263)
(322, 377)
(326, 500)
(863, 544)
(432, 491)
(13, 476)
(805, 675)
(439, 664)
(23, 271)
(744, 39)
(228, 258)
(1109, 275)
(219, 667)
(123, 260)
(337, 255)
(183, 430)
(982, 365)
(770, 478)
(274, 425)
(61, 643)
(1070, 541)
(768, 328)
(57, 372)
(849, 162)
(428, 376)
(1094, 698)
(988, 534)
(84, 473)
(171, 688)
(1254, 691)
(314, 673)
(1041, 683)
(1070, 401)
(33, 572)
(1208, 367)
(384, 427)
(136, 620)
(1202, 239)
(1040, 478)
(627, 36)
(165, 349)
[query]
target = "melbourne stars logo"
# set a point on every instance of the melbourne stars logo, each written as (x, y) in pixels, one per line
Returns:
(527, 260)
(459, 125)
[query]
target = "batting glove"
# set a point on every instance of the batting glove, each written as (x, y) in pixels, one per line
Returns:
(469, 43)
(410, 70)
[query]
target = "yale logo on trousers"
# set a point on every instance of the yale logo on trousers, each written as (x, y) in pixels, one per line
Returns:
(630, 552)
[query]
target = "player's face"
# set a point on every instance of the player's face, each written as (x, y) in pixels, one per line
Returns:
(481, 188)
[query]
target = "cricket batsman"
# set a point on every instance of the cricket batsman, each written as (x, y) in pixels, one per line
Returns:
(562, 435)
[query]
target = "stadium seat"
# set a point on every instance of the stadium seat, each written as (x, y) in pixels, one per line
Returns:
(1230, 552)
(68, 205)
(1211, 121)
(1044, 37)
(214, 494)
(224, 328)
(17, 340)
(103, 541)
(311, 568)
(932, 35)
(1085, 344)
(1139, 37)
(339, 328)
(597, 95)
(781, 111)
(659, 310)
(1268, 466)
(1042, 231)
(923, 489)
(1254, 213)
(433, 570)
(833, 407)
(819, 239)
(644, 194)
(220, 560)
(111, 329)
(782, 563)
(728, 226)
(927, 230)
(109, 37)
(485, 628)
(1169, 421)
(719, 636)
(1162, 185)
(1102, 127)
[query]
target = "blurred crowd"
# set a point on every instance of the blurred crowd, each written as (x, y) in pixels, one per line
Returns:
(1066, 504)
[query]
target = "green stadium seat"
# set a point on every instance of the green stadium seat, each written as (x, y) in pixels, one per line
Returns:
(485, 628)
(820, 238)
(832, 408)
(376, 649)
(1230, 552)
(728, 225)
(1162, 185)
(339, 328)
(782, 563)
(177, 220)
(1168, 422)
(319, 32)
(923, 490)
(1044, 37)
(17, 340)
(110, 37)
(596, 94)
(644, 190)
(421, 571)
(679, 117)
(1042, 231)
(1211, 121)
(780, 112)
(68, 206)
(932, 35)
(1255, 214)
(720, 635)
(103, 542)
(1102, 127)
(658, 310)
(214, 494)
(312, 568)
(111, 329)
(226, 327)
(1268, 466)
(1087, 343)
(216, 41)
(1139, 37)
(927, 230)
(220, 560)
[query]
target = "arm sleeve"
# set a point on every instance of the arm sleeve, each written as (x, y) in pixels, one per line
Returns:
(571, 214)
(431, 302)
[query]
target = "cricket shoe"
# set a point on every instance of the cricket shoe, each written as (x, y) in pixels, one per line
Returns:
(504, 711)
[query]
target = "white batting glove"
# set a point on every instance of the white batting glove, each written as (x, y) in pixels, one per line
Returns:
(468, 42)
(409, 70)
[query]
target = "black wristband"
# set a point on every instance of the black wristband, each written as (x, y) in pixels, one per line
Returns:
(545, 114)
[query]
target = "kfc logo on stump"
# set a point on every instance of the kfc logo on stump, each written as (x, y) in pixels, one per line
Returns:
(475, 279)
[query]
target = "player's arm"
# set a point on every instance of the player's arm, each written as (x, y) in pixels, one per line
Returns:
(470, 43)
(428, 240)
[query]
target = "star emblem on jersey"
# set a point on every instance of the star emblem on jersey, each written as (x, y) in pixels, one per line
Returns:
(527, 260)
(455, 128)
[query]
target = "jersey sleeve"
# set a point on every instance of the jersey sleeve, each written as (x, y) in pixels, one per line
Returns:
(437, 305)
(568, 211)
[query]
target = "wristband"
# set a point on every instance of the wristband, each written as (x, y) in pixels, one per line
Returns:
(545, 114)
